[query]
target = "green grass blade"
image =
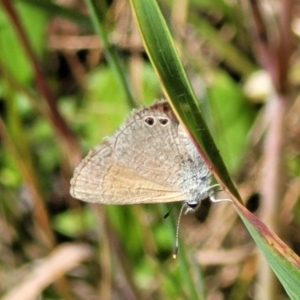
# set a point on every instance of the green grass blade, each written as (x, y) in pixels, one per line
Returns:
(109, 51)
(283, 261)
(164, 58)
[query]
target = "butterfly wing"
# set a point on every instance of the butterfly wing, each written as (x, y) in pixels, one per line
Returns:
(140, 163)
(104, 180)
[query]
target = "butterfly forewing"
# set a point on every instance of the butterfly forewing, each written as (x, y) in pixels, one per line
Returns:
(140, 163)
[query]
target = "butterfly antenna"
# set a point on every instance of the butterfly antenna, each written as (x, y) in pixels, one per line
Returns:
(168, 213)
(175, 251)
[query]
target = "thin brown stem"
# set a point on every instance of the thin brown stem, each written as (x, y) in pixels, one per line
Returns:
(285, 44)
(272, 185)
(272, 179)
(262, 44)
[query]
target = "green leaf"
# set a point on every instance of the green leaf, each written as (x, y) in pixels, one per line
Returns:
(283, 261)
(231, 118)
(12, 55)
(73, 223)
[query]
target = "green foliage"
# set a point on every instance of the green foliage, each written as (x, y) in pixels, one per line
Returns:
(74, 223)
(90, 86)
(11, 49)
(229, 106)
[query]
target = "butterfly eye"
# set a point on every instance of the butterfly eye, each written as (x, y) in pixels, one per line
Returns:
(150, 121)
(163, 121)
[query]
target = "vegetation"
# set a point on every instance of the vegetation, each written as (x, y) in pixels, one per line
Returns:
(70, 73)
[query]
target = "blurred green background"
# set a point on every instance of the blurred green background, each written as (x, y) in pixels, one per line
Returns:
(59, 96)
